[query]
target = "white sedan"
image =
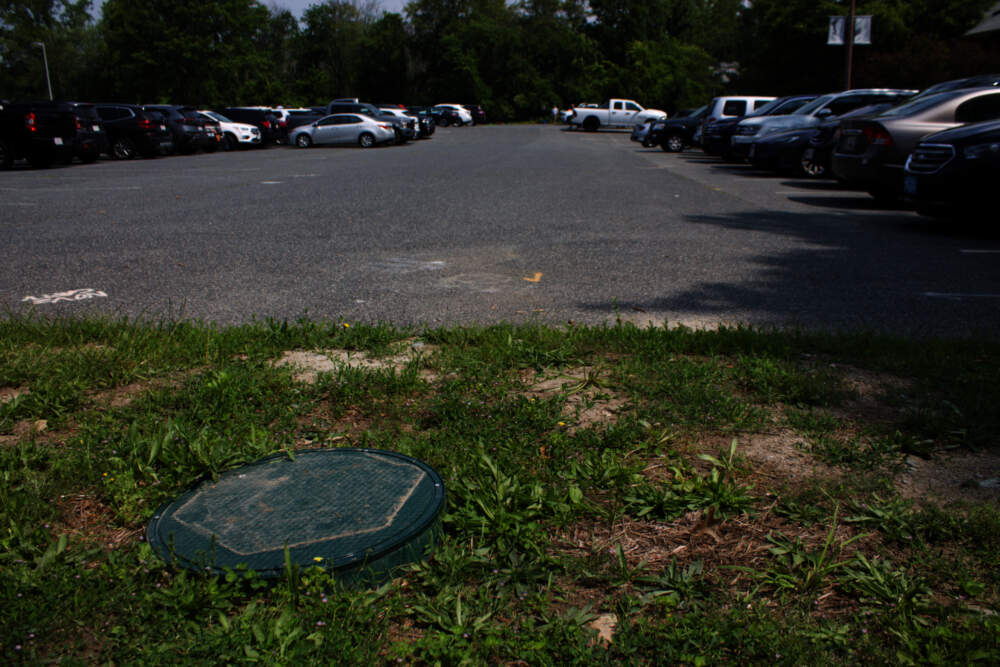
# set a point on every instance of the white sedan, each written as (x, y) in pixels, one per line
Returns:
(343, 128)
(234, 134)
(463, 113)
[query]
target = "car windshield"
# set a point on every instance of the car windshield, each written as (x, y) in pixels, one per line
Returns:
(922, 103)
(817, 103)
(218, 116)
(696, 112)
(785, 109)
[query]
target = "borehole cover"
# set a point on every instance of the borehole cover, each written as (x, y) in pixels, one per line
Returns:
(353, 511)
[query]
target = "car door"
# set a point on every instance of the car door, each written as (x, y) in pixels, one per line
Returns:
(325, 131)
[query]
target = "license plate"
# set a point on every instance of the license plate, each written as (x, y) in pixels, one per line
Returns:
(910, 185)
(57, 141)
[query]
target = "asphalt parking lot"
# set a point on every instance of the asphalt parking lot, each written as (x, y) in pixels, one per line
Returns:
(482, 225)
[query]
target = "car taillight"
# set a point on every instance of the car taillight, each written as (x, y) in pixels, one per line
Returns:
(282, 123)
(146, 124)
(79, 125)
(877, 135)
(385, 126)
(31, 121)
(266, 123)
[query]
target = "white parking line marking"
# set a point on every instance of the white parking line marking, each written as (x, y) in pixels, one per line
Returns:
(70, 295)
(979, 251)
(960, 295)
(270, 182)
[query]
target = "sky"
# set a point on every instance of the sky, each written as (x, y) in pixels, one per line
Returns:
(299, 6)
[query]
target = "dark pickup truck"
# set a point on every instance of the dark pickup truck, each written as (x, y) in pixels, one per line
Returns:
(39, 132)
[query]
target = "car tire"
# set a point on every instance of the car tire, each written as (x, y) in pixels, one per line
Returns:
(810, 168)
(303, 140)
(123, 148)
(230, 142)
(590, 124)
(673, 143)
(6, 156)
(444, 122)
(366, 140)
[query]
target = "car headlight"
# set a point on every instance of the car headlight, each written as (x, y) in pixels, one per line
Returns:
(747, 130)
(979, 151)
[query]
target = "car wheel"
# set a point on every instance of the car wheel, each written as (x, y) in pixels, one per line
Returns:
(230, 142)
(673, 143)
(444, 122)
(6, 156)
(810, 168)
(591, 124)
(366, 140)
(123, 149)
(303, 140)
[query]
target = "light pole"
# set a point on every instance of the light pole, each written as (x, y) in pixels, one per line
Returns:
(45, 59)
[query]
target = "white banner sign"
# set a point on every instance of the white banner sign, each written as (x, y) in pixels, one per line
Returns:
(836, 34)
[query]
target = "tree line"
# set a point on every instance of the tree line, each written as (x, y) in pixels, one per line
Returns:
(517, 59)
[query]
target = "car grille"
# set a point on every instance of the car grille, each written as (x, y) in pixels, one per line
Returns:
(929, 158)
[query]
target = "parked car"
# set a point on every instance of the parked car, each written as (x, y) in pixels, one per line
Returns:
(408, 123)
(343, 128)
(730, 106)
(979, 81)
(812, 114)
(454, 114)
(717, 135)
(39, 132)
(425, 118)
(871, 152)
(477, 112)
(675, 134)
(786, 151)
(187, 127)
(265, 120)
(90, 140)
(613, 113)
(234, 134)
(815, 159)
(132, 131)
(294, 118)
(955, 171)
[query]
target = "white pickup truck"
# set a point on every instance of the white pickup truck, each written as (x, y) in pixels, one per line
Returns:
(613, 113)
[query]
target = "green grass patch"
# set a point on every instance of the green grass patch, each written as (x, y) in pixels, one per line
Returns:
(558, 515)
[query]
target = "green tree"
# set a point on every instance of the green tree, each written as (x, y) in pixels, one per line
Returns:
(66, 29)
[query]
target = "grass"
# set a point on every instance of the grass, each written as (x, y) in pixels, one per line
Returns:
(732, 495)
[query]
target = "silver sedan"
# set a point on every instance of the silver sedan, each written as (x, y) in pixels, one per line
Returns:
(343, 128)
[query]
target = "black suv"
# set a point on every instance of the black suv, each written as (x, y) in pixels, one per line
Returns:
(263, 118)
(674, 134)
(132, 131)
(187, 127)
(91, 140)
(39, 132)
(955, 170)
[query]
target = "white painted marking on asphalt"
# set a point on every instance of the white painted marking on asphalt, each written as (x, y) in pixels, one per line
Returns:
(960, 295)
(82, 294)
(980, 251)
(303, 175)
(270, 182)
(18, 203)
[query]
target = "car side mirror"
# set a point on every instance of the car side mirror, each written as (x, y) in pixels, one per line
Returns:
(824, 113)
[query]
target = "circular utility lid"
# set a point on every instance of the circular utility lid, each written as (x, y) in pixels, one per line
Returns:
(349, 510)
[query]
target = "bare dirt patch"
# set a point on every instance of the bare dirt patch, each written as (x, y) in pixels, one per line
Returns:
(87, 518)
(311, 363)
(8, 394)
(723, 547)
(591, 400)
(869, 390)
(968, 476)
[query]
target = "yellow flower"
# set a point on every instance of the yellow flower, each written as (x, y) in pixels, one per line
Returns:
(318, 559)
(347, 325)
(562, 423)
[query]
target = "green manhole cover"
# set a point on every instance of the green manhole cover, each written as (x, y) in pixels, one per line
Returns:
(350, 510)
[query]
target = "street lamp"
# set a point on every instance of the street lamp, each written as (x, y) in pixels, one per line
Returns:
(45, 59)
